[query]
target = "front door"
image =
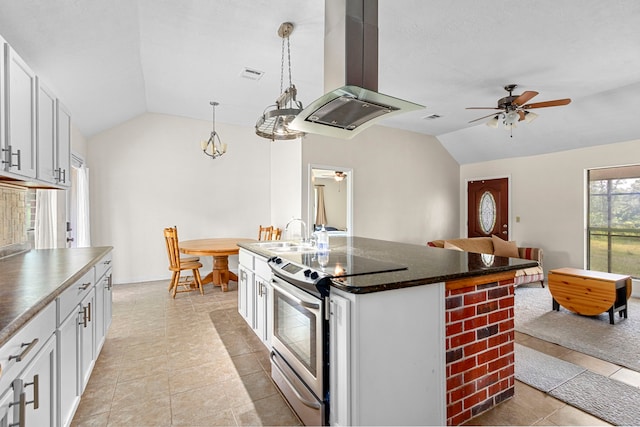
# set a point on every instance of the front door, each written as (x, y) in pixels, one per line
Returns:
(488, 208)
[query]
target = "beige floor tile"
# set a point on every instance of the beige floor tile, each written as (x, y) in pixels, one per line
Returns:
(627, 376)
(201, 405)
(249, 388)
(593, 364)
(140, 390)
(570, 416)
(149, 413)
(98, 420)
(270, 411)
(549, 348)
(511, 412)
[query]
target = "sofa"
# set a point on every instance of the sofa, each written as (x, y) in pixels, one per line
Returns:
(496, 246)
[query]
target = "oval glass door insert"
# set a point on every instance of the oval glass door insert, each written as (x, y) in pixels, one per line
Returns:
(487, 212)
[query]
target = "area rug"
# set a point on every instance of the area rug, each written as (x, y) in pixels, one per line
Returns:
(592, 335)
(602, 397)
(542, 371)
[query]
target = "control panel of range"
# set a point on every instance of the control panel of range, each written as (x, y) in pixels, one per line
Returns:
(295, 271)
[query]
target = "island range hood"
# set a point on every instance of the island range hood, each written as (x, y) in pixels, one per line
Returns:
(351, 60)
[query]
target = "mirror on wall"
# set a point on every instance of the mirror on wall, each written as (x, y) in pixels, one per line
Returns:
(331, 199)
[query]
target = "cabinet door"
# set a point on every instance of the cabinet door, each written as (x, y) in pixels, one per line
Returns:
(21, 116)
(87, 336)
(260, 325)
(108, 301)
(246, 295)
(99, 317)
(46, 135)
(339, 357)
(63, 155)
(69, 390)
(3, 46)
(38, 383)
(6, 407)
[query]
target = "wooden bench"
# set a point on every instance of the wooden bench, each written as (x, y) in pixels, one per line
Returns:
(589, 292)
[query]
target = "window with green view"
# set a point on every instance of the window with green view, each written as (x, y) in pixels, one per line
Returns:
(614, 220)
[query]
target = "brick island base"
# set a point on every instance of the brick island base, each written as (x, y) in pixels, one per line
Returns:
(479, 345)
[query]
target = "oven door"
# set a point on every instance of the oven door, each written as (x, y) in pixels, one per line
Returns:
(297, 332)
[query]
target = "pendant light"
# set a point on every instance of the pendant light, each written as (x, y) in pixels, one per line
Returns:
(275, 120)
(213, 148)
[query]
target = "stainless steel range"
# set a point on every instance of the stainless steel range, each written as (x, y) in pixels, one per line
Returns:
(300, 338)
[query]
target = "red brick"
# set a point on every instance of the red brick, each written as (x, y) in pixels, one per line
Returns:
(488, 355)
(498, 388)
(474, 399)
(507, 325)
(474, 348)
(454, 382)
(508, 372)
(487, 380)
(462, 366)
(475, 322)
(461, 313)
(497, 293)
(475, 373)
(499, 339)
(500, 363)
(454, 409)
(459, 418)
(507, 302)
(475, 297)
(506, 348)
(487, 307)
(462, 392)
(498, 316)
(454, 328)
(462, 339)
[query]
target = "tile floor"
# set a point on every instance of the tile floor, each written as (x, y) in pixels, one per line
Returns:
(165, 364)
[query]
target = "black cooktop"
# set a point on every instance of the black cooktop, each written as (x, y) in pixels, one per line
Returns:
(339, 264)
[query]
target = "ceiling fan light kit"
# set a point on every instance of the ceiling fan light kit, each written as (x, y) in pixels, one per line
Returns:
(514, 109)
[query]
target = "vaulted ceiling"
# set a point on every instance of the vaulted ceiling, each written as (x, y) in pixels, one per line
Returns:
(110, 61)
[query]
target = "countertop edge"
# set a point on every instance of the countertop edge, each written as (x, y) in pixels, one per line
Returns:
(14, 326)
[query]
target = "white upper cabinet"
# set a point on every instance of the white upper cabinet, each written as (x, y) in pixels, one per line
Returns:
(46, 135)
(2, 104)
(63, 155)
(20, 94)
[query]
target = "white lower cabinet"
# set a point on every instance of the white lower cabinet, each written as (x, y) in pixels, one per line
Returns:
(84, 316)
(28, 392)
(254, 290)
(36, 386)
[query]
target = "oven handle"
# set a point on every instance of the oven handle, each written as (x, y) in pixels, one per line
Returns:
(305, 304)
(313, 405)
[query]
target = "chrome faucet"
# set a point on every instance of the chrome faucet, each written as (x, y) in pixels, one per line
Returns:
(304, 237)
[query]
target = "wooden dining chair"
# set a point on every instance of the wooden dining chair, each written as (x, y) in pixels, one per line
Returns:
(276, 234)
(178, 265)
(264, 233)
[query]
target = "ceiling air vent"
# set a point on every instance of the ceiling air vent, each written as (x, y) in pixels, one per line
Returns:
(432, 117)
(251, 74)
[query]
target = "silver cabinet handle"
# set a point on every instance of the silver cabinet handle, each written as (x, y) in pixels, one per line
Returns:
(22, 402)
(29, 347)
(83, 322)
(84, 286)
(9, 151)
(36, 391)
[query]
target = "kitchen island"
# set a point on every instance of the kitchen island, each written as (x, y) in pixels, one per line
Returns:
(430, 344)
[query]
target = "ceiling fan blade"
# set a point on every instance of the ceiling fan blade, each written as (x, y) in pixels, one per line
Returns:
(521, 114)
(525, 97)
(483, 108)
(483, 117)
(554, 103)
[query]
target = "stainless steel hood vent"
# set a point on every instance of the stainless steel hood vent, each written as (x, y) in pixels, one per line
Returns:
(351, 44)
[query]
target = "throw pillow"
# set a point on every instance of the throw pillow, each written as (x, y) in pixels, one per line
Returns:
(504, 248)
(448, 245)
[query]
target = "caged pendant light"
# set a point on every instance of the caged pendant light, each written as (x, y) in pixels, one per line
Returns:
(275, 120)
(213, 148)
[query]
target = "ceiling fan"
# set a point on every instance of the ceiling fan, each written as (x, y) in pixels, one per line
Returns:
(514, 108)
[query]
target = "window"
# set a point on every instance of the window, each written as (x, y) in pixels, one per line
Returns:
(614, 220)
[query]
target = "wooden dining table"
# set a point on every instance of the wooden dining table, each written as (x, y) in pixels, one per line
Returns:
(219, 248)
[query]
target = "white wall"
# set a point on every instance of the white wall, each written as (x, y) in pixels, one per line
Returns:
(335, 201)
(405, 185)
(548, 193)
(150, 173)
(286, 181)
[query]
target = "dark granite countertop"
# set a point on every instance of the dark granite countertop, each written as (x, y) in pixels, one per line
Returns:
(31, 280)
(425, 264)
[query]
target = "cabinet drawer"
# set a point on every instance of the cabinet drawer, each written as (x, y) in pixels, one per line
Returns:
(25, 344)
(245, 259)
(71, 297)
(262, 269)
(102, 266)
